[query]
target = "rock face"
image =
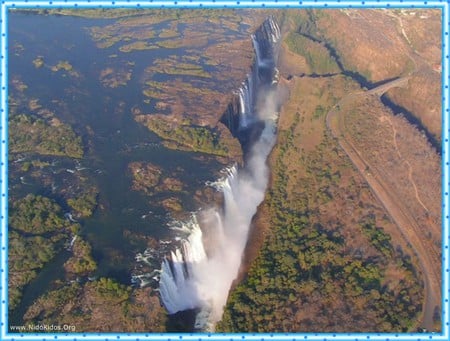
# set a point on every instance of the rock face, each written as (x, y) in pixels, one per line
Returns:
(190, 277)
(238, 114)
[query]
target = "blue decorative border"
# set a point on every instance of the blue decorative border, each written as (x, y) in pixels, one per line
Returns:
(440, 4)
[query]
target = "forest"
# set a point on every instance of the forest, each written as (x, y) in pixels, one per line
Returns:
(306, 276)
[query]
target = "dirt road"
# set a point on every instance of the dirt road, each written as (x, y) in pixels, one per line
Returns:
(429, 259)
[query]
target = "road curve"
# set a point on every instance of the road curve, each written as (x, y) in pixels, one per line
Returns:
(407, 226)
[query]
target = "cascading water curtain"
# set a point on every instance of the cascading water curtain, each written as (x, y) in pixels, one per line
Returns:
(191, 277)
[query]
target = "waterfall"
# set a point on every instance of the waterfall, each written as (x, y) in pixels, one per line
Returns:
(243, 101)
(246, 103)
(257, 50)
(200, 272)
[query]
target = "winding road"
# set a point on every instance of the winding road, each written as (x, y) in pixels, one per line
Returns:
(410, 230)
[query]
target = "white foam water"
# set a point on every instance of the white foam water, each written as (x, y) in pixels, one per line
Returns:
(200, 272)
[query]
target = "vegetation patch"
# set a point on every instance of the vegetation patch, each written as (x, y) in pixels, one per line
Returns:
(112, 78)
(30, 134)
(36, 234)
(64, 65)
(103, 305)
(36, 215)
(167, 33)
(38, 62)
(146, 176)
(82, 262)
(326, 263)
(137, 46)
(85, 203)
(189, 137)
(182, 69)
(172, 205)
(316, 54)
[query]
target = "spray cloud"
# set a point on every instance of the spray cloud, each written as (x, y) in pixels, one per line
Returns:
(196, 276)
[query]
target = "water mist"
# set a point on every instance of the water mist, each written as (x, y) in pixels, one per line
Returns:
(198, 275)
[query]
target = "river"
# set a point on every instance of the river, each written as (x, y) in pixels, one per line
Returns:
(112, 139)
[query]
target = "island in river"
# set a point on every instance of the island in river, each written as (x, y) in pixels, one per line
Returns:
(116, 126)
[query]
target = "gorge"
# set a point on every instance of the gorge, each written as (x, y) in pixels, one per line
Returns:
(187, 156)
(200, 272)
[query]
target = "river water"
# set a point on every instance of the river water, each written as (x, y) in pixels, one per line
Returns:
(102, 116)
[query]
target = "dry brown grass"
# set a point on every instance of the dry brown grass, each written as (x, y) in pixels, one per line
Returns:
(292, 63)
(390, 165)
(383, 44)
(401, 154)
